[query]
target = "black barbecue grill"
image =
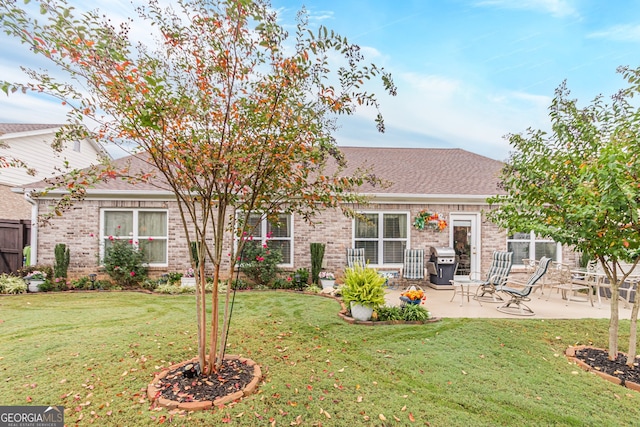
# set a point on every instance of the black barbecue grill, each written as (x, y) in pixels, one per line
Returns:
(441, 266)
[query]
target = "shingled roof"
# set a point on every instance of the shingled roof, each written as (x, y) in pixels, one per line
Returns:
(428, 171)
(410, 172)
(25, 127)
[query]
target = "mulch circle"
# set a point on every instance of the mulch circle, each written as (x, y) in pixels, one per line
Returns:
(180, 386)
(596, 360)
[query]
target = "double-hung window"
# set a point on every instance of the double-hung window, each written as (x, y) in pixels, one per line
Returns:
(383, 235)
(276, 235)
(530, 246)
(144, 228)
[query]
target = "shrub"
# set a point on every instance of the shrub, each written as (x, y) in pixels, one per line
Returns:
(389, 313)
(283, 283)
(175, 290)
(301, 278)
(61, 263)
(413, 312)
(12, 284)
(123, 262)
(260, 263)
(82, 283)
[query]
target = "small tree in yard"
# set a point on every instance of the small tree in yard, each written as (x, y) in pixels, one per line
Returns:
(580, 186)
(236, 118)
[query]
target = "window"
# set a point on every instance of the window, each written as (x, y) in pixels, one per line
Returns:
(146, 229)
(76, 146)
(383, 237)
(278, 236)
(529, 246)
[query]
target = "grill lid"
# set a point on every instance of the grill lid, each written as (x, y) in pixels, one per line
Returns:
(442, 251)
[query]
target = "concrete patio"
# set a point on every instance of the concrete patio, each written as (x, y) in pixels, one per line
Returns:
(439, 303)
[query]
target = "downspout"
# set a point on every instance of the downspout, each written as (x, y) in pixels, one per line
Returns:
(34, 228)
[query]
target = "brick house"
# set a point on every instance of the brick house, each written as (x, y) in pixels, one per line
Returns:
(451, 182)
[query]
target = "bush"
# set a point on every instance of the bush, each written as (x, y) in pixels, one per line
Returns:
(260, 263)
(175, 290)
(413, 312)
(301, 278)
(283, 283)
(12, 284)
(61, 264)
(389, 313)
(123, 262)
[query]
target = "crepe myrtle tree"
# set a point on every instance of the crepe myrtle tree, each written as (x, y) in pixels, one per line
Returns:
(580, 186)
(235, 114)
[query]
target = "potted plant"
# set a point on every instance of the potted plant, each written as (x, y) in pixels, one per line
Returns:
(413, 296)
(363, 291)
(327, 279)
(34, 280)
(188, 278)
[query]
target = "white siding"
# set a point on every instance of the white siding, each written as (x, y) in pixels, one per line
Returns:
(34, 148)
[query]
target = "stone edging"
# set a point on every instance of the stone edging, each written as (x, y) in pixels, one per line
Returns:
(570, 353)
(153, 392)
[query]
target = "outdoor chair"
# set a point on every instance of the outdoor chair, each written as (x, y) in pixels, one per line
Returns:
(413, 266)
(499, 269)
(562, 280)
(355, 256)
(517, 295)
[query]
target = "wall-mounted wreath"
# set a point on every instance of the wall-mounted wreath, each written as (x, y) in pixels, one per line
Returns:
(432, 220)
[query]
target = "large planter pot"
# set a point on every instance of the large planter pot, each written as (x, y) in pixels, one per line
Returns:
(34, 285)
(361, 312)
(188, 282)
(327, 283)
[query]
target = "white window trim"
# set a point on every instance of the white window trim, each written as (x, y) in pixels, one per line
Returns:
(381, 239)
(135, 236)
(532, 247)
(263, 238)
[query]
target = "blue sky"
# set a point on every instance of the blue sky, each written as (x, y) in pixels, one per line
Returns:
(468, 71)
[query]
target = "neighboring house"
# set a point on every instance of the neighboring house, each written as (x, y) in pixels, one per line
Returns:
(453, 183)
(31, 143)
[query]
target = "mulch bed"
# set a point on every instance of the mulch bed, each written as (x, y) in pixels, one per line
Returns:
(184, 385)
(597, 360)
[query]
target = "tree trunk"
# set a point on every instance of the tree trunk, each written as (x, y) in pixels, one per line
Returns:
(202, 318)
(226, 319)
(633, 331)
(200, 323)
(614, 320)
(213, 343)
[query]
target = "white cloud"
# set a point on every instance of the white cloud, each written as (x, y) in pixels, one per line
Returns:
(558, 8)
(622, 32)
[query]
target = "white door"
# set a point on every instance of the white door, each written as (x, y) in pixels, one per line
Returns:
(465, 241)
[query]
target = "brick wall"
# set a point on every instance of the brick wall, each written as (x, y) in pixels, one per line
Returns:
(332, 228)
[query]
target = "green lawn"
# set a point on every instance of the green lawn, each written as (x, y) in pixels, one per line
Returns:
(95, 353)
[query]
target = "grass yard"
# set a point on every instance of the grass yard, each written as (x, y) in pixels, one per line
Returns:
(94, 353)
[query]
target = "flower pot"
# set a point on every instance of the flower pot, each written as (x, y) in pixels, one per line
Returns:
(34, 285)
(327, 283)
(187, 282)
(361, 312)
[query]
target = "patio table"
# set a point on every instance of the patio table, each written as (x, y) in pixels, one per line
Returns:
(459, 285)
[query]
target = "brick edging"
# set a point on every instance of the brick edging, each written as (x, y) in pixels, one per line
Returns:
(153, 391)
(570, 353)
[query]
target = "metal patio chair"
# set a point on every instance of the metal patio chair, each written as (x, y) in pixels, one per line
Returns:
(355, 256)
(413, 266)
(496, 277)
(516, 305)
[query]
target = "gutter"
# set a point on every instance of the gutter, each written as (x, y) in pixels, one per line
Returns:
(34, 228)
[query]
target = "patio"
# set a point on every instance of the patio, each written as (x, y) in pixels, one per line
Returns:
(439, 303)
